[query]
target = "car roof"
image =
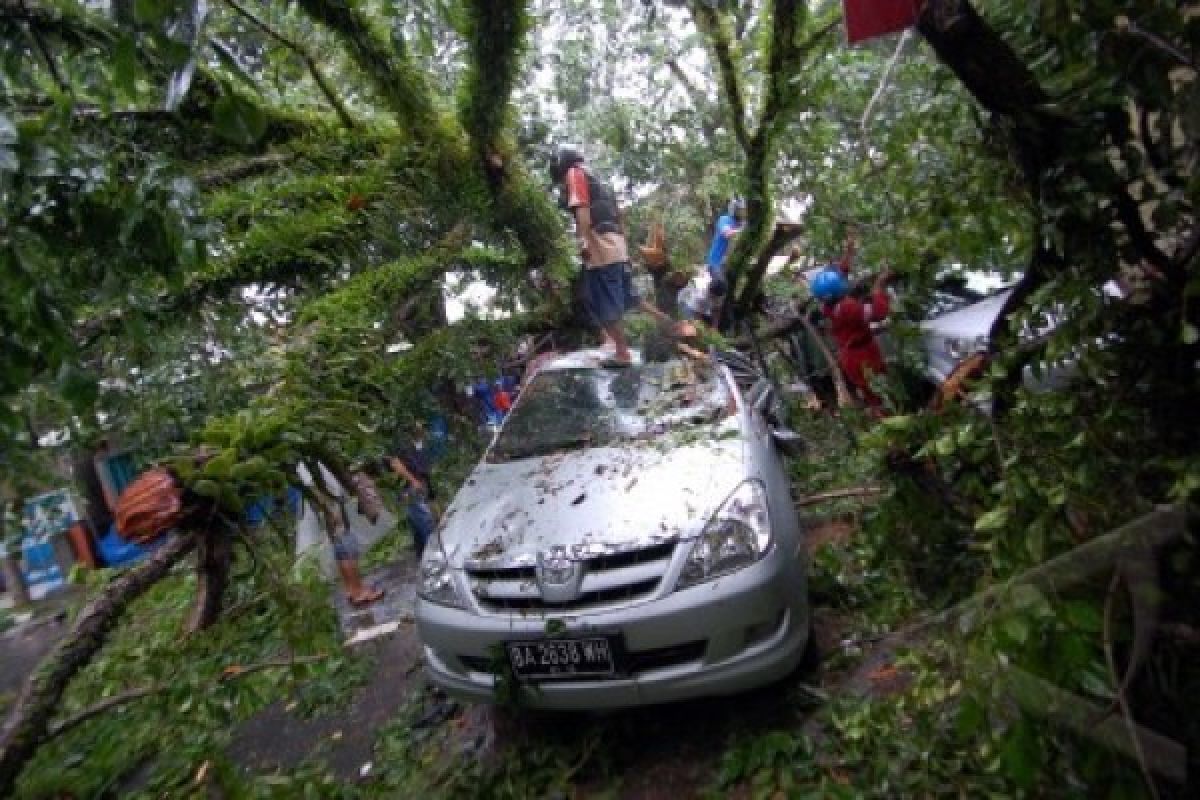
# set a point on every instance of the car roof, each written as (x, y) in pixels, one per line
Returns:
(974, 319)
(585, 359)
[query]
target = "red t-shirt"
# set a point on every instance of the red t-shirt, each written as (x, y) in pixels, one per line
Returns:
(600, 249)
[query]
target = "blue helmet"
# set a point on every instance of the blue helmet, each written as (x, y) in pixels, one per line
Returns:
(830, 284)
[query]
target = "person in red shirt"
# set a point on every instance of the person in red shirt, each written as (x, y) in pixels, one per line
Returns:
(850, 323)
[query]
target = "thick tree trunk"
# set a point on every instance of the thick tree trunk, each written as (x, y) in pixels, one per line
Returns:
(14, 581)
(41, 697)
(10, 566)
(214, 555)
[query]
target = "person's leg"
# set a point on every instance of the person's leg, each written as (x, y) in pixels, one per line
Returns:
(422, 522)
(607, 298)
(858, 365)
(351, 578)
(616, 332)
(346, 553)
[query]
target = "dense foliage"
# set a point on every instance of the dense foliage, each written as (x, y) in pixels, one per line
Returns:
(236, 225)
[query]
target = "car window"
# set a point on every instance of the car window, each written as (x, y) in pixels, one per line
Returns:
(591, 407)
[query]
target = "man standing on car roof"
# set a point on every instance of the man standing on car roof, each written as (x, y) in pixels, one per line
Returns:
(850, 321)
(607, 276)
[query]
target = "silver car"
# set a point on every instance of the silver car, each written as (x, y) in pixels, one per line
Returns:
(629, 538)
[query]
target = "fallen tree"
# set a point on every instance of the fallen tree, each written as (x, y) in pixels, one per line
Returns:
(29, 719)
(1115, 551)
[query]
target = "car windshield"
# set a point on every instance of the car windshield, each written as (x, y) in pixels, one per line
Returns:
(592, 407)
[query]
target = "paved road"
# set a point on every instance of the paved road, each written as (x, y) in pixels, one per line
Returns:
(24, 646)
(279, 739)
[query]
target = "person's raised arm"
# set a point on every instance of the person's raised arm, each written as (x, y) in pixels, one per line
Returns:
(848, 255)
(880, 305)
(403, 471)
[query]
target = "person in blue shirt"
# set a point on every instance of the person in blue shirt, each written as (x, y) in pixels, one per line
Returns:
(729, 224)
(411, 461)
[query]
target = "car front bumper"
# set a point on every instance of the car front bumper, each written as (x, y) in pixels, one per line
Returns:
(734, 633)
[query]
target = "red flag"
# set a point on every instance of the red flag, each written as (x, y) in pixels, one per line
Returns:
(866, 19)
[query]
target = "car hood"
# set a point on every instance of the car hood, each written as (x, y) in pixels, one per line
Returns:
(590, 502)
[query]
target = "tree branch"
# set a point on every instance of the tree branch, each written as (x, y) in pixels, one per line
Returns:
(65, 22)
(386, 63)
(835, 371)
(840, 494)
(29, 719)
(129, 696)
(697, 97)
(785, 58)
(40, 45)
(241, 168)
(1133, 29)
(709, 21)
(496, 32)
(318, 77)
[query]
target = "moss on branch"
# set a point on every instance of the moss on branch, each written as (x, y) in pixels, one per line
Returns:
(716, 32)
(386, 63)
(496, 31)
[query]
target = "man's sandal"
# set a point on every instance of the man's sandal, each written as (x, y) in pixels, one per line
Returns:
(370, 596)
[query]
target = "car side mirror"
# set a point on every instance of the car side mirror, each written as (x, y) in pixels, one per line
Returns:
(788, 442)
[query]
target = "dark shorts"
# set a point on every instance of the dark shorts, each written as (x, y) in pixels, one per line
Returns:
(608, 292)
(345, 546)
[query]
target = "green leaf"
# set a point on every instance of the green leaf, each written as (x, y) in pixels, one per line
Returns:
(220, 468)
(207, 488)
(993, 520)
(238, 120)
(151, 12)
(78, 387)
(1190, 334)
(1083, 616)
(125, 64)
(231, 500)
(944, 445)
(1019, 755)
(898, 423)
(971, 717)
(1016, 630)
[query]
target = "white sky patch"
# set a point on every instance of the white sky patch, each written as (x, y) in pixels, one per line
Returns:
(465, 295)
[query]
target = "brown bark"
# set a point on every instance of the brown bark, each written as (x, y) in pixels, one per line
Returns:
(14, 581)
(29, 719)
(844, 398)
(840, 494)
(1157, 753)
(214, 555)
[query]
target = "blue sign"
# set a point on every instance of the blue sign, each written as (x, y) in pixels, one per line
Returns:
(46, 516)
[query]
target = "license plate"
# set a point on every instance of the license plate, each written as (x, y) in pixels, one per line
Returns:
(549, 658)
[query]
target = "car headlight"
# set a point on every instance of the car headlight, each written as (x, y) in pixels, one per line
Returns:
(738, 535)
(436, 583)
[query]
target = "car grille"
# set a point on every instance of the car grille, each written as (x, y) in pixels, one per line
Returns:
(609, 580)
